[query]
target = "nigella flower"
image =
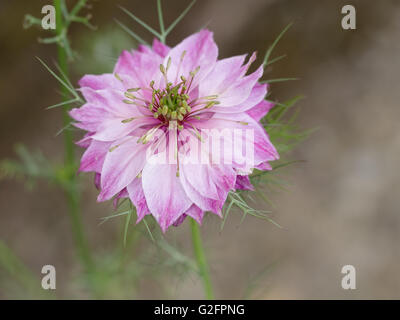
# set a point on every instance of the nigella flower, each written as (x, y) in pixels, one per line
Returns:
(163, 100)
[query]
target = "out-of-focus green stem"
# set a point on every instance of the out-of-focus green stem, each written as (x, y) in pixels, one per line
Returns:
(71, 186)
(161, 20)
(201, 260)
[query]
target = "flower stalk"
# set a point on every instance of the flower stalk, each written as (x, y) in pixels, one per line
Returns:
(71, 186)
(201, 260)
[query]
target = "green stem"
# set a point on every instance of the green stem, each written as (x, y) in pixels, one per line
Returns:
(161, 20)
(71, 187)
(201, 260)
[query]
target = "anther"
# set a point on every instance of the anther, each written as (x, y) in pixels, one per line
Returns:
(133, 89)
(183, 54)
(116, 75)
(113, 148)
(129, 95)
(168, 63)
(162, 69)
(127, 120)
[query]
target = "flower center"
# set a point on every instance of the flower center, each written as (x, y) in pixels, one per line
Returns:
(172, 103)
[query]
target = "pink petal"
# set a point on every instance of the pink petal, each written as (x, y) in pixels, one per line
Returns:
(223, 75)
(164, 194)
(180, 220)
(240, 89)
(121, 166)
(110, 101)
(256, 96)
(196, 213)
(113, 129)
(130, 66)
(101, 81)
(97, 178)
(263, 148)
(264, 166)
(260, 110)
(85, 141)
(243, 183)
(122, 194)
(196, 173)
(201, 50)
(160, 48)
(93, 157)
(137, 197)
(204, 203)
(89, 114)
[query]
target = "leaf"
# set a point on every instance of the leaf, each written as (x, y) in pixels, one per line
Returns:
(127, 221)
(148, 230)
(275, 60)
(104, 219)
(181, 16)
(131, 33)
(61, 104)
(142, 23)
(72, 90)
(279, 80)
(271, 47)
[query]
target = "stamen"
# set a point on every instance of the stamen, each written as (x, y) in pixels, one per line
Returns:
(128, 120)
(222, 119)
(113, 148)
(162, 69)
(149, 134)
(164, 73)
(196, 132)
(129, 95)
(183, 55)
(178, 70)
(168, 63)
(116, 75)
(192, 74)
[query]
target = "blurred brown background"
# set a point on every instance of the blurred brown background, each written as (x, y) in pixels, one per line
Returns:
(343, 203)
